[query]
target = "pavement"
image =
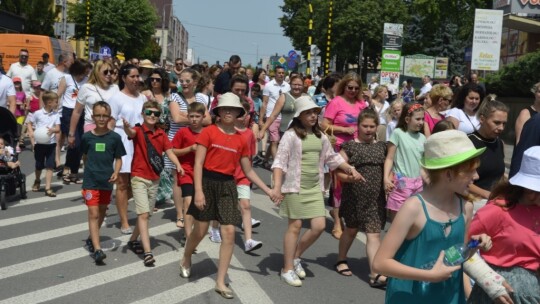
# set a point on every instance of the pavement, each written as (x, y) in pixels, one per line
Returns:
(43, 259)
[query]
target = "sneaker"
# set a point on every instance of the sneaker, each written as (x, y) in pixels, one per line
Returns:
(252, 245)
(254, 223)
(298, 269)
(89, 246)
(126, 231)
(63, 149)
(291, 278)
(215, 236)
(99, 256)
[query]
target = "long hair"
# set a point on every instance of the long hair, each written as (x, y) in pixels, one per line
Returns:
(345, 80)
(94, 76)
(511, 193)
(257, 74)
(301, 132)
(459, 99)
(164, 80)
(124, 71)
(408, 110)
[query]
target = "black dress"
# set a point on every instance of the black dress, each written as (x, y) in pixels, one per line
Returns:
(491, 161)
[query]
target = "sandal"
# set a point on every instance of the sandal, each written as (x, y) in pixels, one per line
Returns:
(65, 179)
(136, 247)
(35, 187)
(149, 259)
(180, 223)
(50, 193)
(74, 179)
(343, 271)
(376, 283)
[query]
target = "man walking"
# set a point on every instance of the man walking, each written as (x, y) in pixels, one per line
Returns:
(53, 77)
(23, 70)
(7, 93)
(47, 66)
(223, 81)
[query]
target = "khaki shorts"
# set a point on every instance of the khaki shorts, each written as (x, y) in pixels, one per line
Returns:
(244, 192)
(144, 194)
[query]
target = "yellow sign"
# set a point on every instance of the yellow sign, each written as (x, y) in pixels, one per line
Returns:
(282, 60)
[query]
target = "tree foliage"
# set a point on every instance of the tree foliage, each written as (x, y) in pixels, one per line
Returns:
(39, 14)
(123, 25)
(517, 78)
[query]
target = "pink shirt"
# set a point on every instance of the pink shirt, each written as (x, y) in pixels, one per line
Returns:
(431, 122)
(289, 159)
(515, 243)
(344, 114)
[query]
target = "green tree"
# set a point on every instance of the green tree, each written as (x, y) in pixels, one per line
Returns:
(123, 25)
(39, 14)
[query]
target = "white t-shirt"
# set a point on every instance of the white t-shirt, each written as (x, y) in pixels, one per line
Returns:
(41, 119)
(52, 80)
(392, 88)
(425, 89)
(72, 90)
(467, 124)
(382, 112)
(273, 90)
(48, 66)
(27, 74)
(6, 89)
(89, 94)
(372, 86)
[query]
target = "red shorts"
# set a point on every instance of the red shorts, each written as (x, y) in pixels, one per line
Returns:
(96, 197)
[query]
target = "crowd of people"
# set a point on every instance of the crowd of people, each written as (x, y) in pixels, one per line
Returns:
(431, 164)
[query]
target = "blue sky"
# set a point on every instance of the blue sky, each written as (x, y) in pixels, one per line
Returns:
(212, 44)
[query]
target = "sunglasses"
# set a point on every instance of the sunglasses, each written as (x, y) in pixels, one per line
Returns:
(155, 79)
(108, 72)
(351, 88)
(150, 112)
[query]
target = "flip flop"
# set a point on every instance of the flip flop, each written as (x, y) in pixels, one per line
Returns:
(376, 283)
(180, 223)
(343, 271)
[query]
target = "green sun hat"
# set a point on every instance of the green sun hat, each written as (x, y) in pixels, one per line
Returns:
(448, 148)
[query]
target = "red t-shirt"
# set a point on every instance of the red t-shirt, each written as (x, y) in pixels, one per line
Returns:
(223, 150)
(185, 137)
(249, 138)
(140, 166)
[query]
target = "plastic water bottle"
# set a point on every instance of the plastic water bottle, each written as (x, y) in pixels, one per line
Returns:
(453, 256)
(400, 184)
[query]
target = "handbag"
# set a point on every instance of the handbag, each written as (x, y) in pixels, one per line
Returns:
(331, 137)
(155, 159)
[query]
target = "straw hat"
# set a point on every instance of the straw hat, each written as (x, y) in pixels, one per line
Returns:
(448, 148)
(229, 100)
(146, 64)
(529, 172)
(304, 103)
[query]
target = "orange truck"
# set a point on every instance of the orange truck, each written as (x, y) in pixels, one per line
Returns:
(11, 44)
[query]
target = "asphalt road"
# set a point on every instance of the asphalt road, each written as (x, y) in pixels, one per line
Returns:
(42, 258)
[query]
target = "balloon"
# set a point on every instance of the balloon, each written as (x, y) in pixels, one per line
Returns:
(41, 136)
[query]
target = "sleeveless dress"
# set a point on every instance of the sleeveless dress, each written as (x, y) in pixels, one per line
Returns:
(421, 250)
(363, 205)
(308, 203)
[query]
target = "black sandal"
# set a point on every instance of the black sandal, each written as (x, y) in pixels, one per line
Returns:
(376, 283)
(136, 247)
(149, 259)
(342, 271)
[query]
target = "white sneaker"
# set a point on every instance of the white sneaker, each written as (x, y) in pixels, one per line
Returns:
(215, 236)
(252, 245)
(63, 149)
(254, 223)
(291, 278)
(298, 269)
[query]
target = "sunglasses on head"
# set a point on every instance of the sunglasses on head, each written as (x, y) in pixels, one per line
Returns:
(150, 112)
(108, 72)
(155, 79)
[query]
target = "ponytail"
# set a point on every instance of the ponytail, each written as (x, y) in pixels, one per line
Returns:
(490, 105)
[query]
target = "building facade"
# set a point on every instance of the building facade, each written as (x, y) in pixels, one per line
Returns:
(170, 34)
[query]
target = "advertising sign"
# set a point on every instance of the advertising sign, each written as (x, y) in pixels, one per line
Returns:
(385, 77)
(392, 36)
(419, 66)
(487, 39)
(441, 67)
(391, 61)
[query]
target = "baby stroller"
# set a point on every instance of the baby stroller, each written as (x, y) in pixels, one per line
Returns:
(10, 179)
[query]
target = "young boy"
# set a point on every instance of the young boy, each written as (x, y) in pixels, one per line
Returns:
(45, 153)
(243, 185)
(144, 178)
(100, 148)
(184, 147)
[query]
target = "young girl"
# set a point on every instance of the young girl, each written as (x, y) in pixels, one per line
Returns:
(363, 203)
(20, 110)
(430, 222)
(219, 150)
(33, 104)
(405, 148)
(393, 114)
(298, 171)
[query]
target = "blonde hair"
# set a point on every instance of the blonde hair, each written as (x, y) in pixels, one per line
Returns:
(535, 88)
(94, 76)
(440, 91)
(490, 105)
(388, 112)
(345, 80)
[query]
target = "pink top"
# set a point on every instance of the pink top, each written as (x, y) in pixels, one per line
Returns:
(516, 240)
(344, 114)
(289, 159)
(431, 122)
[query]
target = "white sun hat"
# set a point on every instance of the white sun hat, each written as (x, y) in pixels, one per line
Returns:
(529, 172)
(304, 103)
(229, 100)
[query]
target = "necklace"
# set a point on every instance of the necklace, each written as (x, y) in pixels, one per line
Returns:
(486, 141)
(536, 225)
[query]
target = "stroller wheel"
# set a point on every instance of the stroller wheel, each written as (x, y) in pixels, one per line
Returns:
(3, 199)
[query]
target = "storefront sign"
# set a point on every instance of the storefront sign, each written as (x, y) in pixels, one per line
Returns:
(487, 40)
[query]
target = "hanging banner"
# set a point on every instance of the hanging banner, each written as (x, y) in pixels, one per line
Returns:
(487, 39)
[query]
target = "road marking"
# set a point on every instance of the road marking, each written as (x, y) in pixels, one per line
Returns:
(62, 257)
(39, 200)
(184, 292)
(42, 215)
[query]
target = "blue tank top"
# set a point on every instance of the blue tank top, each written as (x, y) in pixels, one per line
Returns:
(425, 248)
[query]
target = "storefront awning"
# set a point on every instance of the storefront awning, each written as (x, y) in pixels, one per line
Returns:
(521, 24)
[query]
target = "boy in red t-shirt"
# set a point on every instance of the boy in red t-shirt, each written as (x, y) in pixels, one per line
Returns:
(243, 185)
(184, 147)
(144, 178)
